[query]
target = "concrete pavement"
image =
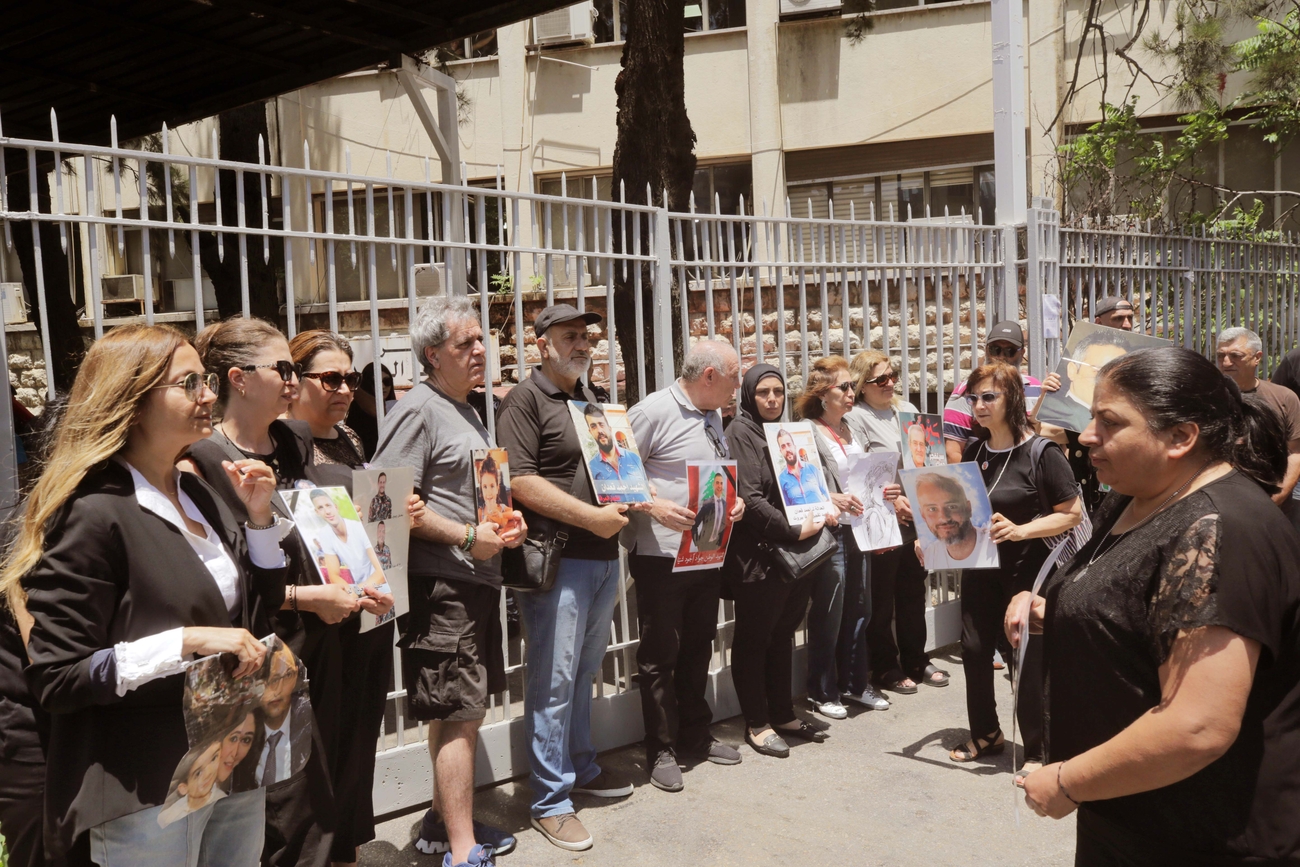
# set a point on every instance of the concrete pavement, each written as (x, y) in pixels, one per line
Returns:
(881, 791)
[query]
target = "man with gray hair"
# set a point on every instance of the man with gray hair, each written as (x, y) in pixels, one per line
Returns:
(451, 645)
(1238, 355)
(678, 611)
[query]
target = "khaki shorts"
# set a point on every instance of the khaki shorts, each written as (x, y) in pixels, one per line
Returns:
(451, 650)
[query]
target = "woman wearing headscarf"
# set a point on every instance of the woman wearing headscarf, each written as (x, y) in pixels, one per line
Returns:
(768, 609)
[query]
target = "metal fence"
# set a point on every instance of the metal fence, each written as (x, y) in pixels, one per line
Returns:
(130, 224)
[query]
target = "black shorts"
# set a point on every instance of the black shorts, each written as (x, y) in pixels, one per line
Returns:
(451, 649)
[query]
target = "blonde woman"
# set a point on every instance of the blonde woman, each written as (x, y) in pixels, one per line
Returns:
(122, 569)
(896, 632)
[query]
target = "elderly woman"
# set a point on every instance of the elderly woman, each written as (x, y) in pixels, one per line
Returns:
(896, 631)
(1033, 496)
(838, 661)
(1173, 637)
(123, 569)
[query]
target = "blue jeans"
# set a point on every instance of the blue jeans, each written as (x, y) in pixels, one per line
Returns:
(566, 636)
(852, 658)
(228, 833)
(824, 616)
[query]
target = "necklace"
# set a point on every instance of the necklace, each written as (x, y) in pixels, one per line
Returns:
(838, 440)
(272, 460)
(1113, 539)
(1006, 463)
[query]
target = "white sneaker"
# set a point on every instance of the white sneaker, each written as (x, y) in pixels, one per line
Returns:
(829, 709)
(870, 699)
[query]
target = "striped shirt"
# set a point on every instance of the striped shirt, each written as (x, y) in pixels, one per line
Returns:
(958, 424)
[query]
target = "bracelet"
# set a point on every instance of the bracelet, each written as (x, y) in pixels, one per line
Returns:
(1061, 785)
(293, 597)
(471, 536)
(249, 525)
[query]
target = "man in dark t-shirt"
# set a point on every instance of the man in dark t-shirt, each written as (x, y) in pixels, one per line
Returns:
(1238, 355)
(567, 626)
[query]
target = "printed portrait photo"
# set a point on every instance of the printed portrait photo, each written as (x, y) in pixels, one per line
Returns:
(952, 512)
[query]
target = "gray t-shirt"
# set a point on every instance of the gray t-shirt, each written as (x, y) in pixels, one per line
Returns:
(877, 430)
(669, 431)
(437, 435)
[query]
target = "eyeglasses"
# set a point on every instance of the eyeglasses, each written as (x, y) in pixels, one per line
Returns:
(1003, 350)
(287, 369)
(194, 383)
(987, 397)
(332, 380)
(844, 387)
(717, 440)
(884, 379)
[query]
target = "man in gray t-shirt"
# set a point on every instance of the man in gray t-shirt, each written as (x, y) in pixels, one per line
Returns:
(451, 646)
(678, 611)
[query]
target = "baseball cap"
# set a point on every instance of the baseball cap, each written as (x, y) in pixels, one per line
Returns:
(557, 313)
(1006, 331)
(1109, 303)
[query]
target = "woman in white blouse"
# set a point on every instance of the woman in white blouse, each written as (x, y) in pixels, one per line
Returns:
(122, 570)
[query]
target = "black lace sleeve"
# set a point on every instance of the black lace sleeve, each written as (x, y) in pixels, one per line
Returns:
(1186, 593)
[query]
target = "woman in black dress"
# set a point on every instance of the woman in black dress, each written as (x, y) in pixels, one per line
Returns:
(365, 659)
(1033, 496)
(1173, 638)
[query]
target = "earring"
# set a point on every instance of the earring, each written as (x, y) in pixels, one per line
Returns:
(823, 403)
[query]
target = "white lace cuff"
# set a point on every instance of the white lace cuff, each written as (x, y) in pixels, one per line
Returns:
(146, 659)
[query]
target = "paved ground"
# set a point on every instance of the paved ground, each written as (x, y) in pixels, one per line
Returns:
(881, 791)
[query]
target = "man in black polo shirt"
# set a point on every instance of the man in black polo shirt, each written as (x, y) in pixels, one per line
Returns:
(567, 627)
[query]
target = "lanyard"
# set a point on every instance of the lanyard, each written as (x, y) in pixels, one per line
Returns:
(839, 442)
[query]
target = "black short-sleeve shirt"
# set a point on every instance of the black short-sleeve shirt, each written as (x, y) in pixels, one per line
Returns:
(535, 428)
(1014, 484)
(1222, 556)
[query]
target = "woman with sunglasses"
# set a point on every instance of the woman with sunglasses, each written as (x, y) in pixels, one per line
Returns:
(896, 632)
(839, 665)
(361, 664)
(1033, 496)
(122, 570)
(258, 383)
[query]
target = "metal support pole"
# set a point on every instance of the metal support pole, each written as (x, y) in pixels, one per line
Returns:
(1009, 110)
(8, 434)
(443, 132)
(663, 301)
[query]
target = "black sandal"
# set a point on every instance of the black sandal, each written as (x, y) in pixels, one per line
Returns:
(927, 677)
(976, 748)
(805, 732)
(893, 681)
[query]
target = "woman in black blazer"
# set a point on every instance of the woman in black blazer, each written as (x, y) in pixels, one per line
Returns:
(123, 569)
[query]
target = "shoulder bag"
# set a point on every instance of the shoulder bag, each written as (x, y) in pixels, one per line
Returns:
(797, 559)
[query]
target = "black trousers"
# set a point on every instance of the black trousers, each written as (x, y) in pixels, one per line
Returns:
(985, 594)
(896, 633)
(22, 804)
(767, 614)
(678, 617)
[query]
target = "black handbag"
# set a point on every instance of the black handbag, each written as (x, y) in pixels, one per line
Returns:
(532, 567)
(795, 560)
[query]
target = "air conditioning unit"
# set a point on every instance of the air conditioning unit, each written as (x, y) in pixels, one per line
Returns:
(178, 295)
(561, 26)
(430, 279)
(124, 287)
(810, 7)
(12, 303)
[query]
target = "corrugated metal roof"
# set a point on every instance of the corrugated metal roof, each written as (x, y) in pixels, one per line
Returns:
(155, 61)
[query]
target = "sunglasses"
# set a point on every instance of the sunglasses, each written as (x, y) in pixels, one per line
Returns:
(332, 380)
(884, 379)
(287, 369)
(194, 383)
(988, 397)
(1003, 350)
(844, 387)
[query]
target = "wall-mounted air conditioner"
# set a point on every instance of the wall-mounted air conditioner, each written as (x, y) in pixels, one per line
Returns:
(810, 7)
(12, 303)
(561, 26)
(178, 295)
(123, 287)
(430, 279)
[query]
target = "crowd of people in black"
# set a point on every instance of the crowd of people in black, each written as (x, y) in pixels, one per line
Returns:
(1159, 696)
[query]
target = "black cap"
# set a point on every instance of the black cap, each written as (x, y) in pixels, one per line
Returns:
(557, 313)
(1109, 303)
(1006, 331)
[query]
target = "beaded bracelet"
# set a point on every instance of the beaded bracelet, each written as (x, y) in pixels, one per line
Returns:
(1061, 785)
(293, 597)
(471, 534)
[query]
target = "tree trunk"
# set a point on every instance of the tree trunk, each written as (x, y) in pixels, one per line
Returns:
(64, 338)
(655, 147)
(238, 130)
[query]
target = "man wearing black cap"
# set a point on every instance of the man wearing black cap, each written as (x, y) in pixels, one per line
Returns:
(1113, 312)
(1006, 343)
(567, 627)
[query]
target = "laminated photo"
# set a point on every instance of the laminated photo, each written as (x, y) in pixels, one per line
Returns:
(952, 512)
(792, 448)
(922, 435)
(712, 486)
(243, 733)
(339, 544)
(610, 453)
(1089, 348)
(869, 474)
(383, 493)
(492, 487)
